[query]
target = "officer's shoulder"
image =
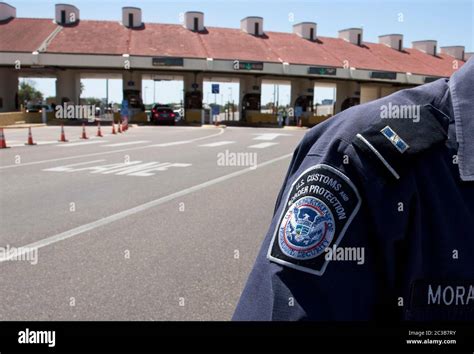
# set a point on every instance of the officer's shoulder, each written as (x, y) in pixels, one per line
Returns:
(389, 131)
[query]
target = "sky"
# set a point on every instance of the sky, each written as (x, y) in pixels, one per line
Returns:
(450, 22)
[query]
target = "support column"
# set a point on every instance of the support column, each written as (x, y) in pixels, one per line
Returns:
(132, 84)
(9, 90)
(302, 95)
(68, 87)
(193, 97)
(132, 92)
(301, 87)
(346, 93)
(369, 92)
(388, 90)
(250, 98)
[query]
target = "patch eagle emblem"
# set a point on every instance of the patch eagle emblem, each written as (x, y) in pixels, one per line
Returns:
(319, 207)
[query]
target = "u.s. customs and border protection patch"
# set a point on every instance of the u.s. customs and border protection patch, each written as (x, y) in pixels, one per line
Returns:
(320, 206)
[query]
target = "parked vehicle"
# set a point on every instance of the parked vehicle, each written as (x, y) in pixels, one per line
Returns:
(37, 108)
(177, 115)
(162, 115)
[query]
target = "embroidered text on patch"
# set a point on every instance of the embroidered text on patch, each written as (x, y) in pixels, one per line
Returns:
(319, 207)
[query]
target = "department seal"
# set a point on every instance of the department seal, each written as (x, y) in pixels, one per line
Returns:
(320, 205)
(306, 229)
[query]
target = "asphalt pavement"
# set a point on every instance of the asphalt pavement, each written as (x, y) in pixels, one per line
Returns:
(158, 223)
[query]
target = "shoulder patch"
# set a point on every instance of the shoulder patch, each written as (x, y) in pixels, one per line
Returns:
(319, 208)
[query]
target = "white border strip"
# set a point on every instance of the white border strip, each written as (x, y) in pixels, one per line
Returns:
(375, 151)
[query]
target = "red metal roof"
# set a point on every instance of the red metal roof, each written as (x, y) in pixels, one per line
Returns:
(360, 57)
(441, 65)
(228, 43)
(166, 40)
(24, 34)
(110, 37)
(92, 37)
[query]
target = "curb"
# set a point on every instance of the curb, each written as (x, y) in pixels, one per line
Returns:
(21, 126)
(294, 128)
(210, 126)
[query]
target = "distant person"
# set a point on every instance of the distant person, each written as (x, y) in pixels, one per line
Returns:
(285, 117)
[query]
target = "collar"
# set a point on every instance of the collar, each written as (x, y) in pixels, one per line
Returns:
(461, 86)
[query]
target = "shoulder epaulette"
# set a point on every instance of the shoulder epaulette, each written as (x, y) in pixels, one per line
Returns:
(398, 137)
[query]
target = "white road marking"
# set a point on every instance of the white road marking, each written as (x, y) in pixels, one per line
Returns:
(219, 143)
(83, 143)
(128, 143)
(66, 167)
(131, 168)
(96, 153)
(125, 213)
(16, 143)
(47, 142)
(262, 145)
(172, 143)
(269, 136)
(187, 141)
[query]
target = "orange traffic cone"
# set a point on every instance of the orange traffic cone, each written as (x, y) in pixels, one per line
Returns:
(3, 143)
(113, 128)
(99, 133)
(120, 127)
(30, 138)
(84, 135)
(63, 136)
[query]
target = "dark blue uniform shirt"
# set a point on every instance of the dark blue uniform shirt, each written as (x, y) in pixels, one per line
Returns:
(375, 219)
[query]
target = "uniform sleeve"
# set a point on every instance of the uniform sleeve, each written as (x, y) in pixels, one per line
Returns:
(315, 262)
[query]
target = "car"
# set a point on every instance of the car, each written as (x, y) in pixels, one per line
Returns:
(162, 115)
(37, 108)
(177, 113)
